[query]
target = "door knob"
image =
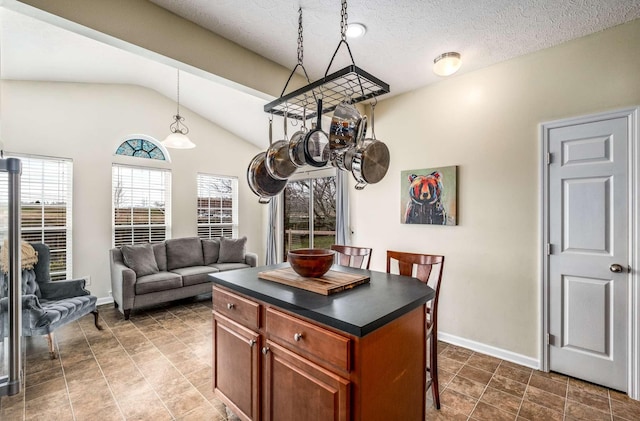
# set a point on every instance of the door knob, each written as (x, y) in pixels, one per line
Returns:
(615, 268)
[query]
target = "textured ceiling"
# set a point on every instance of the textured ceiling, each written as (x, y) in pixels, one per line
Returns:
(404, 36)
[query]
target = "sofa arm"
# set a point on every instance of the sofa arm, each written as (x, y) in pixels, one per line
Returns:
(251, 259)
(123, 281)
(59, 290)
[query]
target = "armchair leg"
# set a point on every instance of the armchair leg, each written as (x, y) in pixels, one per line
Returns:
(127, 314)
(52, 351)
(96, 319)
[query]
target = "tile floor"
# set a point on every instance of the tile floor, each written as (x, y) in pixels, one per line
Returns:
(157, 366)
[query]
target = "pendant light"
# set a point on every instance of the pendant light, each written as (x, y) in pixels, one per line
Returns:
(178, 138)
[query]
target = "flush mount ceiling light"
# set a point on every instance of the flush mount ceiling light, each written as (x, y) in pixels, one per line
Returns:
(178, 138)
(356, 30)
(447, 64)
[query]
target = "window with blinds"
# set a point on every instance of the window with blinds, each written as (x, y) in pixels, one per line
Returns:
(217, 206)
(141, 200)
(46, 202)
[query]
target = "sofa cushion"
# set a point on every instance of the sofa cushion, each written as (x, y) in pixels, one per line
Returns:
(184, 252)
(160, 251)
(232, 250)
(229, 266)
(211, 250)
(140, 258)
(195, 274)
(160, 281)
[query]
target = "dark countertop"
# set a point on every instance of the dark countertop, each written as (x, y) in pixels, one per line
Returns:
(357, 311)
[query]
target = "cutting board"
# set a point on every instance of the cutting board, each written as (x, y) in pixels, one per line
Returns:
(329, 283)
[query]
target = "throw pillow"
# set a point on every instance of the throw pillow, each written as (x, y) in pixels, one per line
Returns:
(184, 252)
(232, 250)
(211, 249)
(140, 258)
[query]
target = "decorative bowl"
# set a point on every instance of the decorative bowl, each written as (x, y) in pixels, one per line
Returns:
(310, 263)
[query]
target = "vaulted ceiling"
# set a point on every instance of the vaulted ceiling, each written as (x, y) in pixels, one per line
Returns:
(403, 37)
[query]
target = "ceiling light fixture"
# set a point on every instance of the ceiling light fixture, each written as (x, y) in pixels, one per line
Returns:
(447, 64)
(178, 138)
(356, 30)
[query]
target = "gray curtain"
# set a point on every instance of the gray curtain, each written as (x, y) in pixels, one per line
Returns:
(342, 208)
(272, 250)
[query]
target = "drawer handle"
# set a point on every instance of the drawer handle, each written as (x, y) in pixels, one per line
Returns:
(297, 337)
(265, 350)
(252, 342)
(231, 306)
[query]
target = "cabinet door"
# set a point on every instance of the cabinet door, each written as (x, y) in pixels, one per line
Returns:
(297, 389)
(236, 367)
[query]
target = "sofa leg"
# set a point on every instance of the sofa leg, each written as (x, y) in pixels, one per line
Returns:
(115, 304)
(127, 314)
(96, 319)
(52, 351)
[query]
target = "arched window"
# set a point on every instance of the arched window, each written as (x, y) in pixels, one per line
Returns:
(142, 147)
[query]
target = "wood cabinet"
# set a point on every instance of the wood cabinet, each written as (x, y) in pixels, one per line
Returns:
(270, 364)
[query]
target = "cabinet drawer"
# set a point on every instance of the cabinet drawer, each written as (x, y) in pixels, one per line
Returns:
(313, 340)
(237, 308)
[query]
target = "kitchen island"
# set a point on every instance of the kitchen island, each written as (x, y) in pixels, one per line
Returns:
(282, 353)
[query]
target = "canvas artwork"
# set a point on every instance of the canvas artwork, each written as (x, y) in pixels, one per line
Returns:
(429, 196)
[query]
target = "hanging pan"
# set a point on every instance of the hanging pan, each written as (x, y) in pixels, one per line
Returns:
(259, 179)
(316, 143)
(277, 160)
(296, 144)
(370, 161)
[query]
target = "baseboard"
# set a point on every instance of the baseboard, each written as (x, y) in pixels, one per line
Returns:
(104, 300)
(503, 354)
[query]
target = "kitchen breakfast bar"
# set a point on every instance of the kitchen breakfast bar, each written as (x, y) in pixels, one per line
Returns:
(282, 353)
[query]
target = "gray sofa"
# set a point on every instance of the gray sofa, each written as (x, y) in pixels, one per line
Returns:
(149, 274)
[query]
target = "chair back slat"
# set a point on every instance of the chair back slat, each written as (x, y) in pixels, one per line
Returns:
(352, 256)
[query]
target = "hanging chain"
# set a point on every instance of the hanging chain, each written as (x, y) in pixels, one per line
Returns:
(343, 21)
(300, 40)
(178, 90)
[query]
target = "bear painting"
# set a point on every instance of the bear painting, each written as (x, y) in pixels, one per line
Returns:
(429, 196)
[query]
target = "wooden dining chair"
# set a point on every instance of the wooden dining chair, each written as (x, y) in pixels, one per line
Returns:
(429, 270)
(354, 257)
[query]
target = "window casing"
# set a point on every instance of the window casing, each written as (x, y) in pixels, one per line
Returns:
(46, 191)
(305, 197)
(141, 199)
(217, 206)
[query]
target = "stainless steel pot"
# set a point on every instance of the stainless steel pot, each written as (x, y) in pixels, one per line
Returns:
(370, 160)
(258, 177)
(347, 128)
(277, 160)
(261, 182)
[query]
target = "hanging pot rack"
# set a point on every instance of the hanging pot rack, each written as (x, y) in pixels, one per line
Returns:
(332, 88)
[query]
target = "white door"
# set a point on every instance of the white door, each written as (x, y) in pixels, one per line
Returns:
(588, 222)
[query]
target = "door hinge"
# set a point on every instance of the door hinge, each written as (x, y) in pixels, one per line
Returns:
(549, 158)
(548, 249)
(548, 339)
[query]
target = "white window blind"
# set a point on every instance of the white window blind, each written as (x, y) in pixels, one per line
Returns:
(141, 200)
(217, 206)
(46, 203)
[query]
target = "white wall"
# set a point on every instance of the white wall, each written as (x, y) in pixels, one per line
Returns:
(86, 123)
(486, 122)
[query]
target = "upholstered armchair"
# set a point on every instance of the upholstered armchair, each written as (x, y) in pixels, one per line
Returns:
(47, 304)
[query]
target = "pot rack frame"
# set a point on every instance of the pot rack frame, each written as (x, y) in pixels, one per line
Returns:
(350, 83)
(332, 89)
